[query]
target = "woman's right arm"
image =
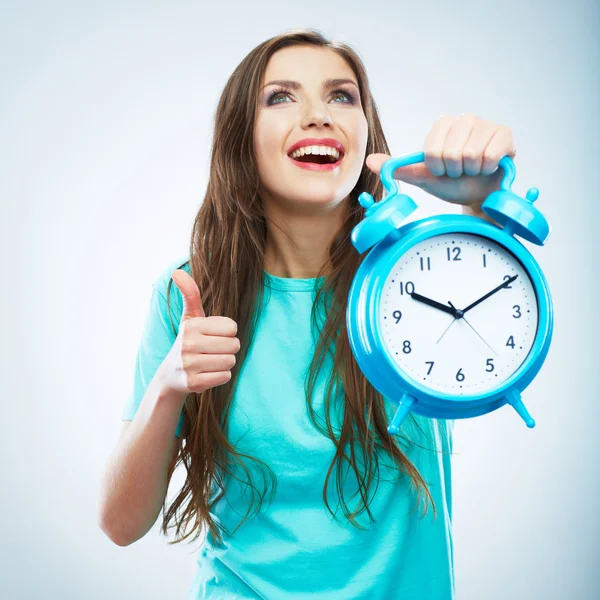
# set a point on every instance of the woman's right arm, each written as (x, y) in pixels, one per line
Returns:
(137, 473)
(136, 477)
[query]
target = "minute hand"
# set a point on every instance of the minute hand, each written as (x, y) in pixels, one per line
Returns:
(502, 285)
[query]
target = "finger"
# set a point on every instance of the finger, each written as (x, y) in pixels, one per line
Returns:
(221, 326)
(452, 152)
(414, 174)
(213, 344)
(375, 161)
(501, 144)
(214, 363)
(434, 143)
(205, 381)
(476, 144)
(192, 305)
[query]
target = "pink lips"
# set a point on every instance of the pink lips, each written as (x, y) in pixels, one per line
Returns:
(333, 143)
(317, 167)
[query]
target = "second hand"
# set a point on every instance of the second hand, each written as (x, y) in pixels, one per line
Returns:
(473, 328)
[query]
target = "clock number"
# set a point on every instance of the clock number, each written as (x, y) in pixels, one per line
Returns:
(428, 263)
(397, 315)
(511, 342)
(484, 263)
(460, 375)
(409, 288)
(508, 287)
(518, 309)
(456, 251)
(489, 363)
(406, 347)
(429, 362)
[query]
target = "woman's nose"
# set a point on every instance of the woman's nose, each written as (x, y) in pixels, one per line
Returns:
(316, 114)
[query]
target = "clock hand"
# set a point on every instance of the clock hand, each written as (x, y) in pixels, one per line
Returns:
(503, 285)
(443, 334)
(433, 303)
(473, 328)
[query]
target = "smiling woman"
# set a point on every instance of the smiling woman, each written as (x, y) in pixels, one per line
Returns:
(282, 407)
(321, 107)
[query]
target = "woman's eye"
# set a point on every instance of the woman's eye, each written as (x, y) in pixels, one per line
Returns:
(284, 94)
(274, 96)
(348, 96)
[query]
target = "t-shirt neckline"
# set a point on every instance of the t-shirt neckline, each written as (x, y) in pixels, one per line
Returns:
(290, 284)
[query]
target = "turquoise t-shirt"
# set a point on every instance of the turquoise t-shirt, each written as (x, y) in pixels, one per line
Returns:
(294, 548)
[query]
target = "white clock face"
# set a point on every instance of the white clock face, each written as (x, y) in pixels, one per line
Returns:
(437, 347)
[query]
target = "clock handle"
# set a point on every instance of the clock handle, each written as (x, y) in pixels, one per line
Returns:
(386, 173)
(402, 411)
(514, 399)
(387, 170)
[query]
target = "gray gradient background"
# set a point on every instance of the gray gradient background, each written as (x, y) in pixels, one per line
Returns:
(105, 126)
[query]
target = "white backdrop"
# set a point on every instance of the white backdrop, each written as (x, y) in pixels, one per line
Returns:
(105, 126)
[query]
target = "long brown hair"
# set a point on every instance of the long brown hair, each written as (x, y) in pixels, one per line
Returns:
(230, 278)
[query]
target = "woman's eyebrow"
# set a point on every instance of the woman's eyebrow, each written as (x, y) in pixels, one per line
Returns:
(295, 85)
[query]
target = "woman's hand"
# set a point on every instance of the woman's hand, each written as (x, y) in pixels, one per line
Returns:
(461, 160)
(203, 353)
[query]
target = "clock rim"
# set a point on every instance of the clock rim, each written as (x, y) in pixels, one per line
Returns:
(371, 352)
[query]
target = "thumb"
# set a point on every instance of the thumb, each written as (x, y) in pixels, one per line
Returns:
(417, 174)
(192, 304)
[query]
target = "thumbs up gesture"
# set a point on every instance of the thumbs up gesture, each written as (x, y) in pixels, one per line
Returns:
(204, 351)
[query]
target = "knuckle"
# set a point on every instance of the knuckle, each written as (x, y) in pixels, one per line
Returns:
(491, 156)
(470, 154)
(452, 153)
(191, 382)
(186, 361)
(433, 153)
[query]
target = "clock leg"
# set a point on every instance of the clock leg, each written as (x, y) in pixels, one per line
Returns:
(514, 399)
(402, 411)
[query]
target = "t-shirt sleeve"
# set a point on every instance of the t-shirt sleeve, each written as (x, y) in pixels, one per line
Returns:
(158, 337)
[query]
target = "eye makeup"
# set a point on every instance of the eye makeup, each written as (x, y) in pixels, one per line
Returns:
(281, 90)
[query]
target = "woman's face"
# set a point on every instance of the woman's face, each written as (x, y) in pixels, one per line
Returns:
(323, 113)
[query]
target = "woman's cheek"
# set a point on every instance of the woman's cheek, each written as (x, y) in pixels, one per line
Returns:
(362, 133)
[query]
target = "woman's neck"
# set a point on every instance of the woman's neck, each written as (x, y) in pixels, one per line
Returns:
(297, 247)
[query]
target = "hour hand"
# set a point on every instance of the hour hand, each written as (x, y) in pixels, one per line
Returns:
(433, 303)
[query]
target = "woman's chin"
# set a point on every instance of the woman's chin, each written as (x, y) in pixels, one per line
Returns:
(320, 199)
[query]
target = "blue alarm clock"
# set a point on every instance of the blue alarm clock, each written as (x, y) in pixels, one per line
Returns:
(449, 316)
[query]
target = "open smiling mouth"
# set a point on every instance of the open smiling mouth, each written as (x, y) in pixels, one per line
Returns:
(317, 162)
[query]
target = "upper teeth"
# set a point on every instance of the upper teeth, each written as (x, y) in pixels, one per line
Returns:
(316, 150)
